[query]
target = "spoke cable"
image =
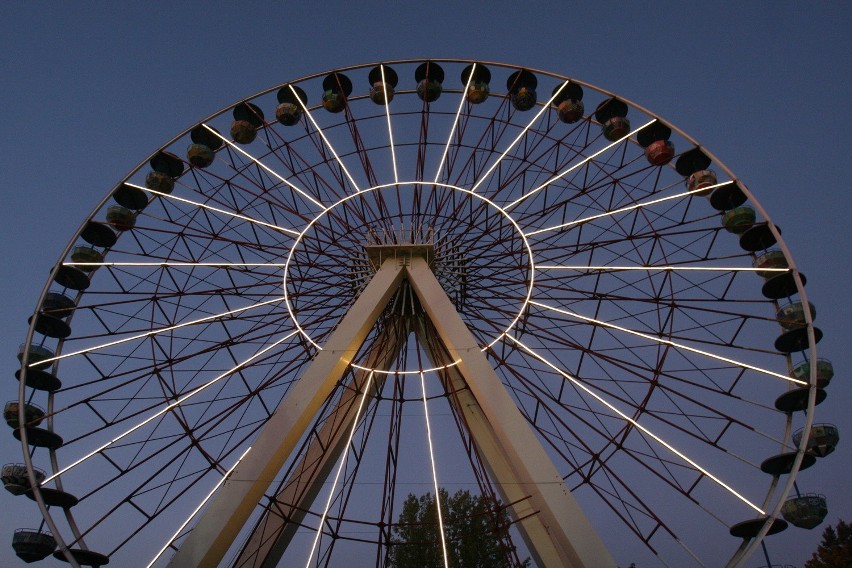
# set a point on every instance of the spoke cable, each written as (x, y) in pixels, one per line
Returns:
(216, 209)
(434, 470)
(636, 424)
(577, 165)
(324, 139)
(667, 342)
(517, 139)
(178, 402)
(198, 508)
(390, 129)
(620, 210)
(455, 124)
(155, 332)
(266, 168)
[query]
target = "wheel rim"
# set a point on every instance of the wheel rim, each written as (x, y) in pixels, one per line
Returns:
(586, 218)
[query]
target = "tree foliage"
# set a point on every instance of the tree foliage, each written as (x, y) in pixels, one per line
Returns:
(475, 527)
(835, 550)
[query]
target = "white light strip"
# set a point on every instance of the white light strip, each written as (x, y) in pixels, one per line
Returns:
(434, 471)
(649, 268)
(266, 168)
(340, 467)
(541, 111)
(667, 342)
(621, 210)
(390, 129)
(170, 406)
(327, 143)
(195, 512)
(577, 165)
(216, 209)
(155, 332)
(170, 264)
(636, 424)
(455, 124)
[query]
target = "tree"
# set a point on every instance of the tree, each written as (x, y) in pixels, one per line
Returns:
(835, 550)
(476, 529)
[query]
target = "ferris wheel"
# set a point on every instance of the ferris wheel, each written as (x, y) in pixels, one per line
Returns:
(398, 277)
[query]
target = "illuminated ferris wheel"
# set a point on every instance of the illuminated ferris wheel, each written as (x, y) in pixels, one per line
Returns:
(399, 277)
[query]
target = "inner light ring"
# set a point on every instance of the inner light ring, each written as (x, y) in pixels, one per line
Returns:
(529, 252)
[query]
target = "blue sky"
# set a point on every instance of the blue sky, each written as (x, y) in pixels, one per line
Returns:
(90, 90)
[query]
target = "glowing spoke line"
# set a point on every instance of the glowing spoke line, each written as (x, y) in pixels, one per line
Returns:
(155, 332)
(324, 139)
(667, 268)
(340, 467)
(170, 264)
(170, 406)
(434, 471)
(266, 168)
(390, 130)
(671, 343)
(200, 505)
(541, 111)
(622, 210)
(216, 209)
(455, 124)
(578, 164)
(636, 424)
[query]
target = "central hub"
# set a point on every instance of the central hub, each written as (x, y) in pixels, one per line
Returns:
(378, 254)
(475, 249)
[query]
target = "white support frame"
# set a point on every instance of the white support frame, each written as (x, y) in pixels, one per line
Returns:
(551, 522)
(227, 513)
(274, 531)
(553, 526)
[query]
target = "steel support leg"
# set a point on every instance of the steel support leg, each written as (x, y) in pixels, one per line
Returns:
(229, 510)
(554, 527)
(275, 530)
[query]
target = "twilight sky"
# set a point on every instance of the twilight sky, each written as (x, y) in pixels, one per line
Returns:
(90, 90)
